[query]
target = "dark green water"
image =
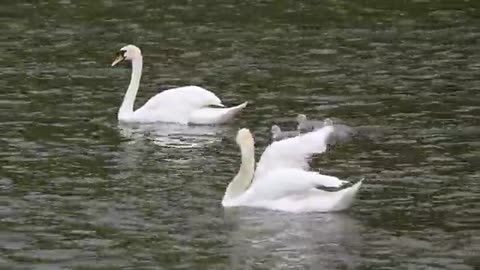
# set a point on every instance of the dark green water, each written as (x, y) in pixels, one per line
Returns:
(78, 191)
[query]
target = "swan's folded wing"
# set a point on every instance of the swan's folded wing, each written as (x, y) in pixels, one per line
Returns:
(283, 183)
(293, 152)
(180, 101)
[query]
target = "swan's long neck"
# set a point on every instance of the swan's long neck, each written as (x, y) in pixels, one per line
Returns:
(126, 109)
(244, 177)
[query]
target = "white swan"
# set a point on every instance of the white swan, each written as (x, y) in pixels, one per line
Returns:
(183, 105)
(282, 180)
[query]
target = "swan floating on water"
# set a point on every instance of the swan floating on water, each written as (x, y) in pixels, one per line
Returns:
(278, 134)
(282, 180)
(343, 133)
(305, 125)
(183, 105)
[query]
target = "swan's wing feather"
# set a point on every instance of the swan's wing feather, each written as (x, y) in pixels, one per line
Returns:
(175, 105)
(293, 152)
(283, 183)
(186, 96)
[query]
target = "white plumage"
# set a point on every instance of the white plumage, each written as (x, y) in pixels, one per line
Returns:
(293, 152)
(183, 105)
(282, 180)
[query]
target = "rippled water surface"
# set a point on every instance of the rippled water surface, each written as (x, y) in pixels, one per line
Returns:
(80, 191)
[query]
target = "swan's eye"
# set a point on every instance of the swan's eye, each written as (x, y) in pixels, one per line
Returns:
(121, 54)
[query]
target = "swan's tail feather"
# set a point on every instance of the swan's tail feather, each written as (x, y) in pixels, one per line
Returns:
(336, 189)
(232, 111)
(347, 196)
(215, 115)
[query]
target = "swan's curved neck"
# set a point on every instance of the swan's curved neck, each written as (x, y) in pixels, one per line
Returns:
(126, 109)
(244, 177)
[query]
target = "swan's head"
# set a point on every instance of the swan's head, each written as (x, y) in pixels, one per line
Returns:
(276, 130)
(244, 137)
(328, 122)
(301, 118)
(128, 52)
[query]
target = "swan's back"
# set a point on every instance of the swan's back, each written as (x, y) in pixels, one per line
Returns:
(319, 200)
(308, 200)
(191, 96)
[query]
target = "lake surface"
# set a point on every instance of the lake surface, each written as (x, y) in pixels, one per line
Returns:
(80, 191)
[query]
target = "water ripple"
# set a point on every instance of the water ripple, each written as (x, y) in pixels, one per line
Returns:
(80, 191)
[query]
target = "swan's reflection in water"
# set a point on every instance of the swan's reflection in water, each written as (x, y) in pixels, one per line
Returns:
(277, 240)
(174, 135)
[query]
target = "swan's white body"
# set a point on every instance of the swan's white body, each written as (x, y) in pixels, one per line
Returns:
(183, 105)
(282, 180)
